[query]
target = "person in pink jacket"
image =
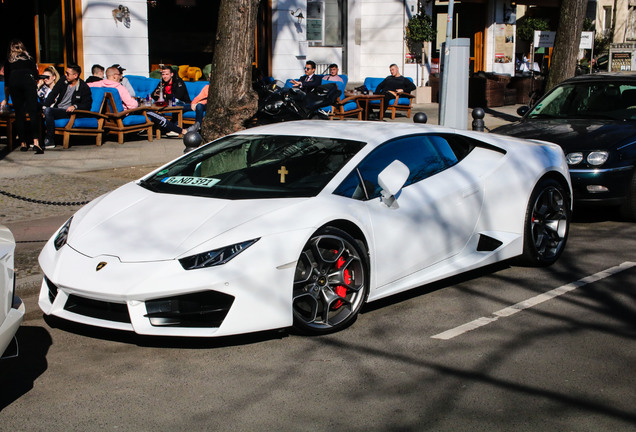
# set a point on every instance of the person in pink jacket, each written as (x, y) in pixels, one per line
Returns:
(113, 80)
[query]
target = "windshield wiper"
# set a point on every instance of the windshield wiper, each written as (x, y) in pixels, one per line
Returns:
(146, 184)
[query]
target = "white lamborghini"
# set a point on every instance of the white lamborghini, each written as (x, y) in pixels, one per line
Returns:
(300, 223)
(11, 307)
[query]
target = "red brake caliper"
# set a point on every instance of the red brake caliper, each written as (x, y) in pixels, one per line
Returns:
(340, 289)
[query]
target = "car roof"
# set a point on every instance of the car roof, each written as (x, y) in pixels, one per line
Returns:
(604, 76)
(366, 131)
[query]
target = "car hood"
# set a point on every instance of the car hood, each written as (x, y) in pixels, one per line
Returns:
(137, 225)
(574, 134)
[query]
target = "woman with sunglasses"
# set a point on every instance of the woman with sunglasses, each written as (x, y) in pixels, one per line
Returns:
(20, 74)
(48, 79)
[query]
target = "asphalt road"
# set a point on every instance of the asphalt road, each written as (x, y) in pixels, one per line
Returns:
(564, 364)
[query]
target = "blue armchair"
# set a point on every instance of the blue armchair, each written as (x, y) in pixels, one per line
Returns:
(143, 86)
(84, 123)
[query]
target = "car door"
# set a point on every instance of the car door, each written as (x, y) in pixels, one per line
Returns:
(436, 210)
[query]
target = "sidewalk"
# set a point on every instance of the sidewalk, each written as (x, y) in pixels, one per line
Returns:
(137, 151)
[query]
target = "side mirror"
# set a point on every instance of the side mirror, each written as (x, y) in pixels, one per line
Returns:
(522, 110)
(391, 181)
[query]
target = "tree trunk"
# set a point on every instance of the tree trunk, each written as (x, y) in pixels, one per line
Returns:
(231, 99)
(566, 44)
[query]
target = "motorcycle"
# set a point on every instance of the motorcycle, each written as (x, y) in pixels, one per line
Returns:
(278, 103)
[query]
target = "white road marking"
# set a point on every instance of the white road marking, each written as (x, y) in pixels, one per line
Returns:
(511, 310)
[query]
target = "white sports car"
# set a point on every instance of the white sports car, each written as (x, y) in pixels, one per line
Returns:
(300, 223)
(11, 307)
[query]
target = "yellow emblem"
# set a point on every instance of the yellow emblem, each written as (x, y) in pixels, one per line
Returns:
(100, 266)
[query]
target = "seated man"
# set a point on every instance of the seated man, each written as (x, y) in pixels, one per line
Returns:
(68, 95)
(113, 78)
(394, 84)
(310, 80)
(172, 86)
(333, 74)
(97, 74)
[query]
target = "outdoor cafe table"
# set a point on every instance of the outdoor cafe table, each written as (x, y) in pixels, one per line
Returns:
(364, 100)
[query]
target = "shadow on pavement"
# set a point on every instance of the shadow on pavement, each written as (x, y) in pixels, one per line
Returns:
(162, 341)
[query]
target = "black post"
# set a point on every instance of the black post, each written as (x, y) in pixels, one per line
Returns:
(478, 119)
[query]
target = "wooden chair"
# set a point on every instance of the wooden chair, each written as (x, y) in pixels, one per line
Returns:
(7, 119)
(346, 106)
(120, 121)
(403, 102)
(84, 123)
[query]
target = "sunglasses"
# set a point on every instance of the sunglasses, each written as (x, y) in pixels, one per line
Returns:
(308, 68)
(46, 77)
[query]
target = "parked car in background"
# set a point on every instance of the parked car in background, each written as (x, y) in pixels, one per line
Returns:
(599, 64)
(300, 223)
(593, 118)
(11, 307)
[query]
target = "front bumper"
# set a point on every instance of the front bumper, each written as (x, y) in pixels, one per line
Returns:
(602, 186)
(253, 292)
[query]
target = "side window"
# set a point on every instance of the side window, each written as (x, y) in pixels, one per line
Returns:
(424, 155)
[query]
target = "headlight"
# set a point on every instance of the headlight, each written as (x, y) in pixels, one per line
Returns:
(215, 257)
(574, 158)
(597, 158)
(62, 235)
(275, 106)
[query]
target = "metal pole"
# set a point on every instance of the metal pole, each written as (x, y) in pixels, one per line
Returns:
(449, 37)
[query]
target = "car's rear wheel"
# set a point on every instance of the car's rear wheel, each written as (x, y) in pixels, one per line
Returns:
(547, 224)
(628, 209)
(330, 283)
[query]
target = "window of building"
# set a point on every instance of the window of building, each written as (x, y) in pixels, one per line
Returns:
(324, 22)
(607, 18)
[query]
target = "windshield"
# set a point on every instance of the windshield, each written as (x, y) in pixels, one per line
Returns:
(256, 166)
(612, 100)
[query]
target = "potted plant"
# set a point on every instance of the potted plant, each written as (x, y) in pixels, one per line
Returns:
(418, 31)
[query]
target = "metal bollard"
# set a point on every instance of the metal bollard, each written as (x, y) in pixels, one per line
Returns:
(478, 119)
(420, 117)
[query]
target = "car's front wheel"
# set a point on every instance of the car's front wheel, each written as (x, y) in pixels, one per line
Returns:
(330, 282)
(547, 224)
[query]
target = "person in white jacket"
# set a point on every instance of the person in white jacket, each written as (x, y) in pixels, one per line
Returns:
(113, 80)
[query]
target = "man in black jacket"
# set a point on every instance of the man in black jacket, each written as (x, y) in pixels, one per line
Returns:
(310, 80)
(173, 87)
(394, 84)
(67, 96)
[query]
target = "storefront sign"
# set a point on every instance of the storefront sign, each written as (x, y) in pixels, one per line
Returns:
(544, 39)
(621, 61)
(587, 40)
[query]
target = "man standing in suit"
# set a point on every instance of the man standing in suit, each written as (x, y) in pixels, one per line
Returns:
(310, 80)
